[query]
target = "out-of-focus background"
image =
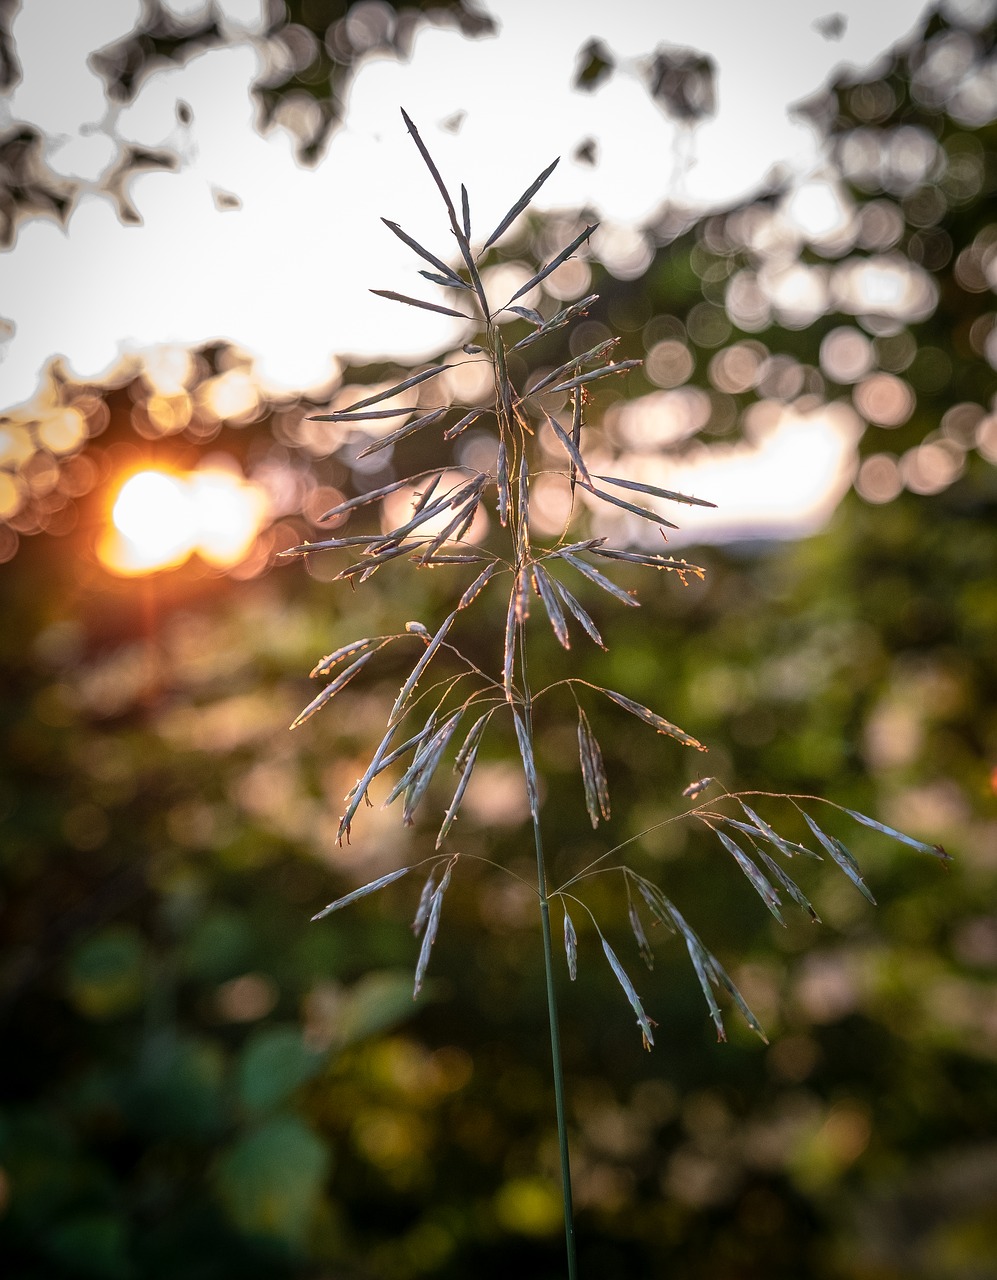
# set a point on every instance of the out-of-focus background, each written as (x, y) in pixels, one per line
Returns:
(798, 237)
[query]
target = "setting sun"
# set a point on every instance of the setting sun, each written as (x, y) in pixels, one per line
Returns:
(160, 518)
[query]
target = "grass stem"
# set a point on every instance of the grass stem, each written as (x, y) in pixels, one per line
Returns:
(552, 1018)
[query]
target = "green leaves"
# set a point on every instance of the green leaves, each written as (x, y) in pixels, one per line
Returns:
(270, 1180)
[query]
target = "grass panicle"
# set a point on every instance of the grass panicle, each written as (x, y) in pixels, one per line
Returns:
(440, 530)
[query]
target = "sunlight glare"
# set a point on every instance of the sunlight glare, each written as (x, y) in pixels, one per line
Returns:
(160, 519)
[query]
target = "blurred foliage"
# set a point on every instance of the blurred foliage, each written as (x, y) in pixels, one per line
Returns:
(195, 1081)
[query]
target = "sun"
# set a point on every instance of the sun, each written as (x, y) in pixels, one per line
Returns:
(160, 517)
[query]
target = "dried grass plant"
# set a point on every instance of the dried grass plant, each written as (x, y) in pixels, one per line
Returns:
(458, 695)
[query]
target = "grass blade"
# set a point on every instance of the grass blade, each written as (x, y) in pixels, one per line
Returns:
(463, 241)
(527, 313)
(621, 975)
(555, 262)
(448, 282)
(573, 606)
(550, 602)
(570, 946)
(432, 926)
(523, 488)
(426, 493)
(451, 532)
(504, 494)
(657, 903)
(842, 857)
(423, 741)
(701, 963)
(643, 946)
(465, 208)
(652, 490)
(935, 849)
(576, 362)
(577, 400)
(643, 512)
(405, 692)
(723, 979)
(520, 204)
(361, 893)
(359, 790)
(529, 765)
(557, 321)
(474, 590)
(464, 763)
(510, 641)
(332, 689)
(578, 466)
(451, 276)
(758, 881)
(787, 847)
(363, 499)
(326, 664)
(428, 766)
(598, 578)
(414, 381)
(651, 561)
(621, 366)
(658, 723)
(421, 303)
(789, 884)
(468, 419)
(409, 429)
(374, 415)
(593, 772)
(422, 911)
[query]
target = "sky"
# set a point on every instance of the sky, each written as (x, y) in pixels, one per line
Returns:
(242, 243)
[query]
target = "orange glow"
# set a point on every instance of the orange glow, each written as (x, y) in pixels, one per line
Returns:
(160, 518)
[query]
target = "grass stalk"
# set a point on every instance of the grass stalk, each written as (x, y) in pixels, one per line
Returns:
(557, 1065)
(743, 834)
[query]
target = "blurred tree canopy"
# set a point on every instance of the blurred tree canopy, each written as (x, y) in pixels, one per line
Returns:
(195, 1081)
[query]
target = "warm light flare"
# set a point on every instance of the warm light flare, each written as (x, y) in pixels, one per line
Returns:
(161, 518)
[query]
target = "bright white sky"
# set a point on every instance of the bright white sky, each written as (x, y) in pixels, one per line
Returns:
(285, 276)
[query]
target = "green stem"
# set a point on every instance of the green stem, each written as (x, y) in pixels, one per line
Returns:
(555, 1032)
